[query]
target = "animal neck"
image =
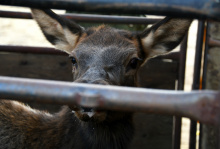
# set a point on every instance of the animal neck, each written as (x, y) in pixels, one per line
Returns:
(109, 134)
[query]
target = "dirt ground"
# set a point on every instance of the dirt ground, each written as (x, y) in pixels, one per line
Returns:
(26, 32)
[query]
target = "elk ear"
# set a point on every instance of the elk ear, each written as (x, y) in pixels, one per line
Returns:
(59, 31)
(164, 36)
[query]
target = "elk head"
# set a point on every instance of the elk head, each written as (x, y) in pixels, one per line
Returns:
(108, 56)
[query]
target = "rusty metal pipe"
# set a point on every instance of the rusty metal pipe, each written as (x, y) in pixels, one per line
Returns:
(28, 49)
(196, 78)
(87, 18)
(177, 121)
(178, 8)
(213, 42)
(172, 55)
(199, 105)
(53, 51)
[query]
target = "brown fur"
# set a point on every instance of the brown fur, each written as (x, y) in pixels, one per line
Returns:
(100, 55)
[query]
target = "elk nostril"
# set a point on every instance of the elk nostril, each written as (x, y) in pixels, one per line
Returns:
(87, 109)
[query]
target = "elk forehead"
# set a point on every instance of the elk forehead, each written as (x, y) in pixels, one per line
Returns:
(105, 43)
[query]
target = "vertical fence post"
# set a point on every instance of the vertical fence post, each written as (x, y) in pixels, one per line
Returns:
(196, 78)
(177, 121)
(211, 80)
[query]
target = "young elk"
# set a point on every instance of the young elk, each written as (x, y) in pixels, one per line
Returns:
(99, 55)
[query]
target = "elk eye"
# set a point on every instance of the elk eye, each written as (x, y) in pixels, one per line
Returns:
(133, 63)
(73, 60)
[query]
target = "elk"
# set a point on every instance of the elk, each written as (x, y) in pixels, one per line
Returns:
(99, 55)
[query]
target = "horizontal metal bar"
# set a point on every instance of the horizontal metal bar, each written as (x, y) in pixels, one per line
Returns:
(15, 15)
(27, 49)
(52, 51)
(179, 8)
(87, 18)
(172, 55)
(199, 105)
(213, 42)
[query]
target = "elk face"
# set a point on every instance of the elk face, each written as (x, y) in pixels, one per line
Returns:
(108, 56)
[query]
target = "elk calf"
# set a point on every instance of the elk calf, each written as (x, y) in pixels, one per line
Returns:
(99, 55)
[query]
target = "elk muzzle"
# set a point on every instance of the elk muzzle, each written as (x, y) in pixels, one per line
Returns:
(92, 76)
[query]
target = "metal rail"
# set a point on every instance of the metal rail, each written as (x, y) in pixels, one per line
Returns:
(207, 45)
(200, 105)
(213, 42)
(177, 121)
(52, 51)
(196, 78)
(29, 49)
(181, 8)
(87, 18)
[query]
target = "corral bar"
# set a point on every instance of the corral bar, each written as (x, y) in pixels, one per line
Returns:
(178, 8)
(88, 18)
(53, 51)
(201, 105)
(196, 78)
(30, 49)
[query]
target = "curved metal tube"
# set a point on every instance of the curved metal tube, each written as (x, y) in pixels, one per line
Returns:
(178, 8)
(203, 106)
